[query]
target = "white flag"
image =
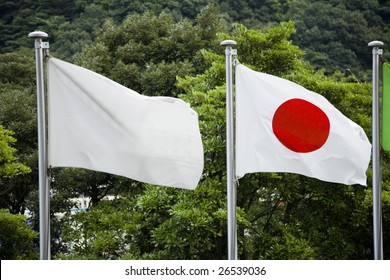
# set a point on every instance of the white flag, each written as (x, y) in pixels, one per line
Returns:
(95, 123)
(283, 127)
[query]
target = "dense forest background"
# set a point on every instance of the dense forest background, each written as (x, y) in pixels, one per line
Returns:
(172, 48)
(332, 33)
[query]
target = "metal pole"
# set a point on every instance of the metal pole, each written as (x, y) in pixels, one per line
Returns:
(44, 212)
(376, 169)
(231, 187)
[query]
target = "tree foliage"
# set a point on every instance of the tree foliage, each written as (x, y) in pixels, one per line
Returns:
(18, 114)
(146, 52)
(334, 34)
(17, 239)
(9, 167)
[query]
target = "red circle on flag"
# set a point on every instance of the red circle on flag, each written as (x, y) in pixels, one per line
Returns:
(300, 125)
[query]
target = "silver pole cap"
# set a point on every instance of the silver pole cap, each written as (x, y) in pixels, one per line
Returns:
(375, 44)
(38, 35)
(228, 43)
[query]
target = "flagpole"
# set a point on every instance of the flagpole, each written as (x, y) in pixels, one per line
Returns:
(44, 195)
(376, 169)
(230, 156)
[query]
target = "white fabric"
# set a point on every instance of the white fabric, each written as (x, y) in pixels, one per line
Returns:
(97, 124)
(344, 157)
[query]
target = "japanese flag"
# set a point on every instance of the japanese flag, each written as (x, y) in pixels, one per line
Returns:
(283, 127)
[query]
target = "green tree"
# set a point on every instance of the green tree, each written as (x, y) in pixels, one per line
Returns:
(335, 34)
(17, 239)
(18, 114)
(9, 167)
(146, 52)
